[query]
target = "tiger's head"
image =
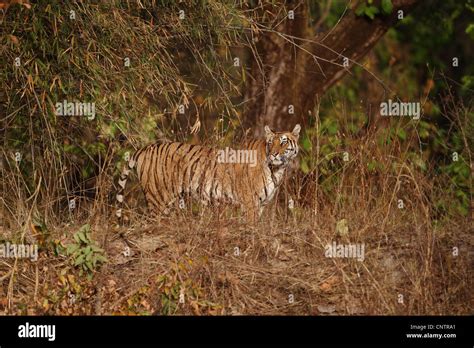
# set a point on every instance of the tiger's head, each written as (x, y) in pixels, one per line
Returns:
(281, 147)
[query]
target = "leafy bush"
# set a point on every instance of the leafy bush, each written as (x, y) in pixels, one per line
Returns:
(85, 253)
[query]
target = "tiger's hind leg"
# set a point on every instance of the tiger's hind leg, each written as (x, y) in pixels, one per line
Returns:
(156, 207)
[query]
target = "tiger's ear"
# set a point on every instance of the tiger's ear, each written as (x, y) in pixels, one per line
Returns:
(268, 133)
(296, 131)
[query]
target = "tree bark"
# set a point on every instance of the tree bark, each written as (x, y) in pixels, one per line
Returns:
(295, 65)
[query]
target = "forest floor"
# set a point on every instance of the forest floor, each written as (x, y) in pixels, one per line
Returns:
(207, 264)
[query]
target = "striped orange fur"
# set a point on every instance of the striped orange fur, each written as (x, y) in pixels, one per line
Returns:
(169, 171)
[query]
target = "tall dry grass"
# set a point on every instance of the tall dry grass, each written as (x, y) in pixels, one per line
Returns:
(208, 261)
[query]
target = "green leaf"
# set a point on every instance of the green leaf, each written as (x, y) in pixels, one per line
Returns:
(371, 165)
(96, 249)
(402, 134)
(470, 30)
(306, 144)
(371, 11)
(76, 238)
(387, 6)
(424, 134)
(332, 129)
(79, 260)
(360, 10)
(72, 248)
(85, 228)
(89, 257)
(342, 228)
(101, 258)
(82, 237)
(304, 166)
(89, 265)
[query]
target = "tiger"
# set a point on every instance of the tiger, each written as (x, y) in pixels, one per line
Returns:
(167, 171)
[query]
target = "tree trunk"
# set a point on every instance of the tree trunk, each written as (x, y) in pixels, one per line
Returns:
(293, 66)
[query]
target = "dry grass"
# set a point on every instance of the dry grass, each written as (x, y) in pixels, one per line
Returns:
(222, 265)
(210, 262)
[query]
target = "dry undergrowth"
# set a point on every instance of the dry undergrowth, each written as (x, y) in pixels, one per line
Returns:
(213, 263)
(418, 260)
